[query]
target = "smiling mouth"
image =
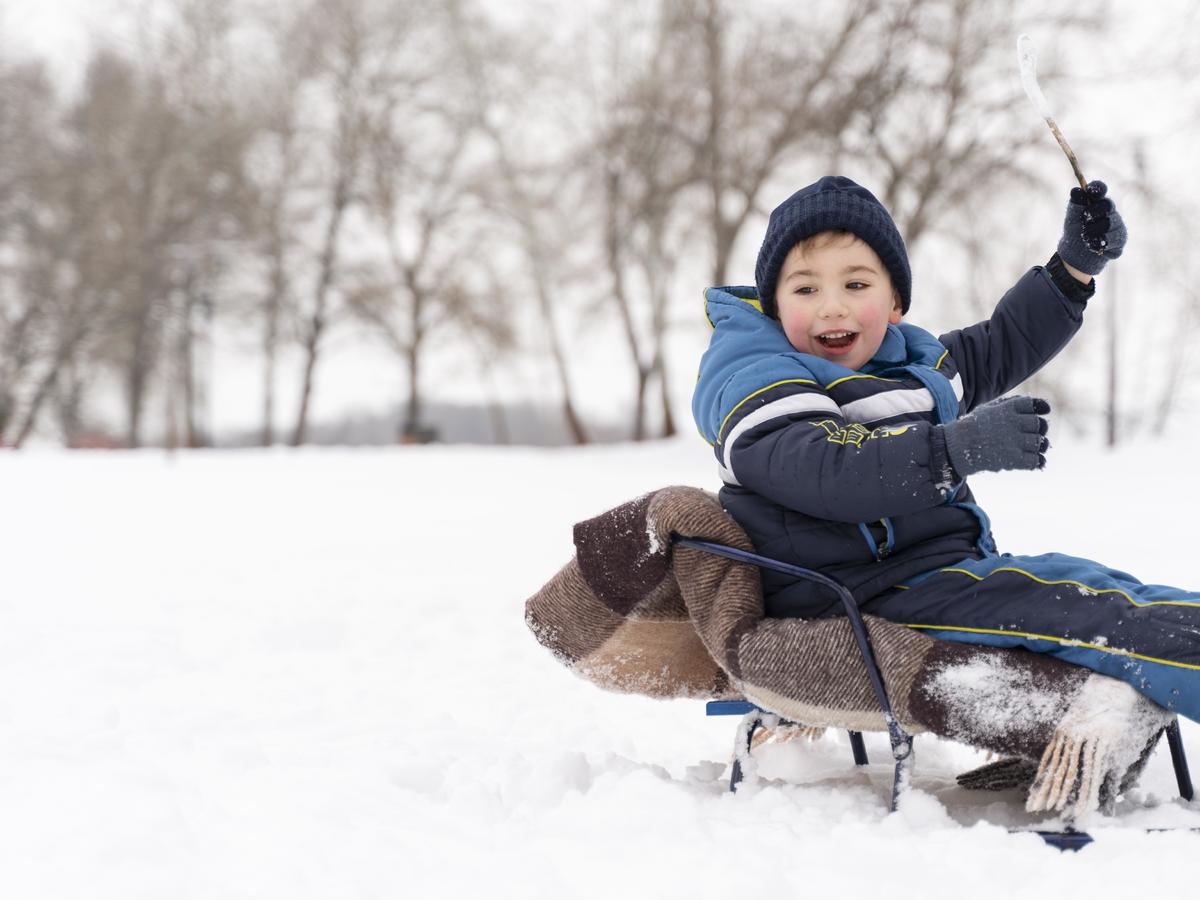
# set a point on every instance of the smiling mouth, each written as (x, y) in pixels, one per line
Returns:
(837, 340)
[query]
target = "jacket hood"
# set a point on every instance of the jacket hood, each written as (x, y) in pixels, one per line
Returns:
(749, 352)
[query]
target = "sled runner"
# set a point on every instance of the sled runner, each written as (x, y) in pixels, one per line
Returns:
(901, 742)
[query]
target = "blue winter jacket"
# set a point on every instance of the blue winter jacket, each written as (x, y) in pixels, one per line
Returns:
(830, 468)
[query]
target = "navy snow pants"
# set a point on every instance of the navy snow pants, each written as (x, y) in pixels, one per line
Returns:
(1075, 609)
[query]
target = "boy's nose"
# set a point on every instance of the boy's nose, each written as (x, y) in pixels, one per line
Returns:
(832, 308)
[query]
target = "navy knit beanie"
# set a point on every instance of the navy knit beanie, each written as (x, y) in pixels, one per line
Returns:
(832, 204)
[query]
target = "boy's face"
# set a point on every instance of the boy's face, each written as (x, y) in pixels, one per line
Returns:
(835, 300)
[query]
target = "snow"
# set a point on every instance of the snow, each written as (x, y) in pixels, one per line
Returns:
(307, 674)
(999, 698)
(1027, 63)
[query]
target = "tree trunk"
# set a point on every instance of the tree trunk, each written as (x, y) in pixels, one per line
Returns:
(657, 277)
(70, 404)
(714, 138)
(6, 409)
(669, 428)
(639, 413)
(574, 425)
(17, 355)
(196, 305)
(410, 423)
(1113, 360)
(271, 313)
(76, 328)
(725, 235)
(316, 326)
(137, 375)
(65, 348)
(500, 432)
(612, 241)
(279, 285)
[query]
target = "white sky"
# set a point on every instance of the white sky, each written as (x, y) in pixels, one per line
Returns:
(58, 30)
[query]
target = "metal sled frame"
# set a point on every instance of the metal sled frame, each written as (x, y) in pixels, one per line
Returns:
(901, 741)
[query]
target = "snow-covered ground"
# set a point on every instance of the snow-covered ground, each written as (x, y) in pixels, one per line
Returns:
(294, 675)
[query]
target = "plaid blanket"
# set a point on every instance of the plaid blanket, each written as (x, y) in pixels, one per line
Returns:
(633, 613)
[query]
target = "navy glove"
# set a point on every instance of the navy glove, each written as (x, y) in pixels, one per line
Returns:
(1093, 232)
(1009, 433)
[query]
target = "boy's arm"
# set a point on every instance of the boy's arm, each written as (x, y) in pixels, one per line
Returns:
(1037, 317)
(793, 445)
(1032, 322)
(797, 449)
(1082, 277)
(812, 461)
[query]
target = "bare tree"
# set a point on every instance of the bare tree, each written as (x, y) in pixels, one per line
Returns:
(285, 205)
(764, 102)
(364, 40)
(216, 198)
(135, 136)
(27, 105)
(152, 176)
(523, 190)
(142, 197)
(74, 251)
(643, 173)
(415, 194)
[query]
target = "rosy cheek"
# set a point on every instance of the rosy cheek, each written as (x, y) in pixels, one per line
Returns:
(796, 331)
(868, 318)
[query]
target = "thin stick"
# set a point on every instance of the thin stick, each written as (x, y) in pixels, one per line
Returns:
(1062, 142)
(1027, 64)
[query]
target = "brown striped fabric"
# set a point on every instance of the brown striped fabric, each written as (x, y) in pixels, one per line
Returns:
(631, 614)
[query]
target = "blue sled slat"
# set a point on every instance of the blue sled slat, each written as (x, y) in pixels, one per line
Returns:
(728, 707)
(1064, 840)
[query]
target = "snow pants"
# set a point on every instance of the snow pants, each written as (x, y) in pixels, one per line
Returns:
(1075, 609)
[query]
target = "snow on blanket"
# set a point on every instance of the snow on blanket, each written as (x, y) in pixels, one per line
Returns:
(294, 675)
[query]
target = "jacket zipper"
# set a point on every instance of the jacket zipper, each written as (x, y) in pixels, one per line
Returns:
(879, 550)
(885, 549)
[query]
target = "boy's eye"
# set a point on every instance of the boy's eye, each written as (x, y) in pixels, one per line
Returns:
(856, 285)
(806, 289)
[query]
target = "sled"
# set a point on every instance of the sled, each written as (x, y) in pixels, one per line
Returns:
(901, 742)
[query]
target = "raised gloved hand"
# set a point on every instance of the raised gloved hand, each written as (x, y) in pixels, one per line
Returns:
(1093, 232)
(1008, 433)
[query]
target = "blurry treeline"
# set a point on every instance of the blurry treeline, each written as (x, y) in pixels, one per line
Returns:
(453, 173)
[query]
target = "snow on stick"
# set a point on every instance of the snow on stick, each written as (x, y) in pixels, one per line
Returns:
(1027, 61)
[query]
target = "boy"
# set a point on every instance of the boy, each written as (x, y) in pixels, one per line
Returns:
(844, 436)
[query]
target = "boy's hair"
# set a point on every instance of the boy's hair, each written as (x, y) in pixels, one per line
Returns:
(832, 204)
(822, 239)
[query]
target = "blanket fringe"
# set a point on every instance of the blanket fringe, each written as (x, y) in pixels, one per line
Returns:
(786, 733)
(1104, 736)
(1069, 777)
